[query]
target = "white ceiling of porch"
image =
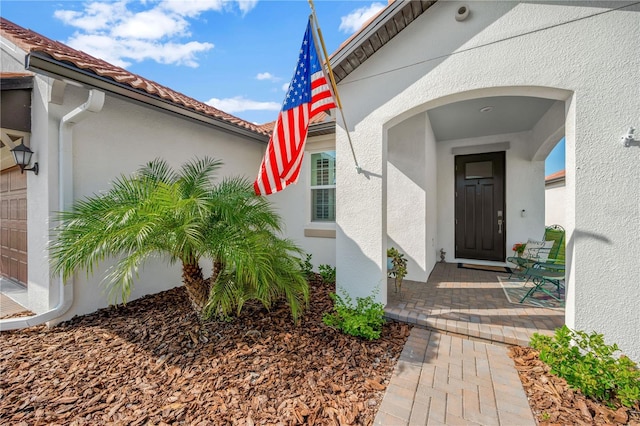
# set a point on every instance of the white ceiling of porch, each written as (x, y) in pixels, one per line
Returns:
(509, 114)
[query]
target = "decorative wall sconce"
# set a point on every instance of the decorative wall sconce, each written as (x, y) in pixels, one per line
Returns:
(629, 140)
(22, 154)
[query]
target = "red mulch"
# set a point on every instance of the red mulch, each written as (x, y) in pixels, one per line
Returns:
(554, 403)
(152, 362)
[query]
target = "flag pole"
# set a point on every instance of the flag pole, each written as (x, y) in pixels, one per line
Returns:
(332, 79)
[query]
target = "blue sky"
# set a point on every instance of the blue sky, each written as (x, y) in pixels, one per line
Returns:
(236, 55)
(555, 160)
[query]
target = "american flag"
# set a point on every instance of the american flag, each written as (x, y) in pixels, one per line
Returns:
(308, 95)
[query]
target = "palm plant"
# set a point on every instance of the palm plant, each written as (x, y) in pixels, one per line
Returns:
(184, 217)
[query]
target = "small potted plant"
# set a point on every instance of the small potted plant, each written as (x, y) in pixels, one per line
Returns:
(518, 248)
(396, 266)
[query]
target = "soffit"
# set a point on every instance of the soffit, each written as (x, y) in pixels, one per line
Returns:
(502, 114)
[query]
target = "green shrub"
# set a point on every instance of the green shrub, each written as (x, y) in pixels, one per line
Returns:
(306, 266)
(399, 270)
(588, 364)
(328, 273)
(365, 319)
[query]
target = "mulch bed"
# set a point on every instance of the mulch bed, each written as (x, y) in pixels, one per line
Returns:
(152, 362)
(554, 403)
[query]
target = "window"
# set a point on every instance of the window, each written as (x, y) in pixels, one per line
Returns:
(478, 170)
(323, 186)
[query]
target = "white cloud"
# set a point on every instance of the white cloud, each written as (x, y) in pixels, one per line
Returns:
(264, 76)
(240, 104)
(124, 31)
(151, 25)
(247, 5)
(354, 21)
(96, 16)
(115, 51)
(267, 76)
(101, 46)
(192, 8)
(285, 87)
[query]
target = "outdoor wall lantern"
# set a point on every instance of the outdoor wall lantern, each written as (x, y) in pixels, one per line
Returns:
(629, 140)
(22, 154)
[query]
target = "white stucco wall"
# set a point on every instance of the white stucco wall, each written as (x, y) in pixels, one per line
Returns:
(407, 194)
(412, 194)
(583, 54)
(554, 200)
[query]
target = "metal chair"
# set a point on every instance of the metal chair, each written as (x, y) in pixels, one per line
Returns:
(544, 264)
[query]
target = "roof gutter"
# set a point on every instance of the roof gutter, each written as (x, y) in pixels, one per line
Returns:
(94, 104)
(44, 64)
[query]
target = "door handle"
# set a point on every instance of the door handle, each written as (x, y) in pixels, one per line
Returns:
(499, 226)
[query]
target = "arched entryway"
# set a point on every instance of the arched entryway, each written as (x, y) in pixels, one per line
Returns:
(429, 208)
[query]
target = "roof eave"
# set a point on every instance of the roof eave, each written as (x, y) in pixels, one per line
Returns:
(44, 64)
(375, 35)
(347, 49)
(325, 128)
(552, 181)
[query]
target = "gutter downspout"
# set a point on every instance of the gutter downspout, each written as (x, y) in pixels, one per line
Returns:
(94, 104)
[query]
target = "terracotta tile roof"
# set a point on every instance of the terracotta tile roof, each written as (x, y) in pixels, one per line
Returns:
(555, 176)
(14, 74)
(30, 42)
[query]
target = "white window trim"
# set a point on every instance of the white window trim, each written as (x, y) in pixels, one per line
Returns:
(311, 225)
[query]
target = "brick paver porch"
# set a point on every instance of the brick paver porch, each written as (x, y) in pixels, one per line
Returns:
(469, 303)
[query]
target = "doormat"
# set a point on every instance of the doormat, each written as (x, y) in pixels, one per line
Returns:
(488, 268)
(516, 288)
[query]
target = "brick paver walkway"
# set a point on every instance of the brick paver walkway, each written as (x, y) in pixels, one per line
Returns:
(448, 380)
(454, 369)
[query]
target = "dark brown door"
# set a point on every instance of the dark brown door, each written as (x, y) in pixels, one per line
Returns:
(480, 213)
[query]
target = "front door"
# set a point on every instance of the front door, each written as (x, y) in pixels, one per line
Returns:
(479, 206)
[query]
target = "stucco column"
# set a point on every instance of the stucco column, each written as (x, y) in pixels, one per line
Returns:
(603, 239)
(42, 193)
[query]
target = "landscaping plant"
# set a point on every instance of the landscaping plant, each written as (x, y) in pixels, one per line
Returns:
(588, 364)
(328, 274)
(399, 270)
(184, 217)
(306, 266)
(365, 319)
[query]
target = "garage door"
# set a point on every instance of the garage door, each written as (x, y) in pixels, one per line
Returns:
(13, 225)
